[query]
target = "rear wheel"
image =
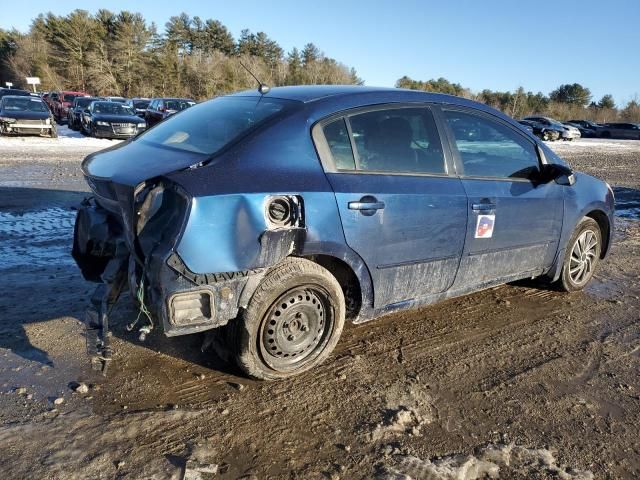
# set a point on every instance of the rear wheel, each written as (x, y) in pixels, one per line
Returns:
(292, 323)
(582, 255)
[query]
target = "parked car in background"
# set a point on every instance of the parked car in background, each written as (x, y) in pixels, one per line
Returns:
(105, 119)
(138, 105)
(278, 216)
(60, 102)
(74, 114)
(620, 130)
(115, 99)
(587, 128)
(13, 91)
(567, 132)
(544, 132)
(161, 108)
(26, 115)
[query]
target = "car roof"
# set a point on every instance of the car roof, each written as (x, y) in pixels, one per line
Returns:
(5, 90)
(23, 96)
(312, 93)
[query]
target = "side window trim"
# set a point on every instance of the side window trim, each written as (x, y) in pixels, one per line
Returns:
(328, 163)
(455, 154)
(352, 141)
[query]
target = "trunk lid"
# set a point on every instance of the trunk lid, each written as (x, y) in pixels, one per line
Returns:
(131, 163)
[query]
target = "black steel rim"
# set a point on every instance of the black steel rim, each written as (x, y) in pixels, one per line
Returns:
(296, 328)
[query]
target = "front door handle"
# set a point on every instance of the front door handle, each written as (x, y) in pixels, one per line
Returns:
(483, 207)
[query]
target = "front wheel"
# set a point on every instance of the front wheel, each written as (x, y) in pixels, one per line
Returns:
(582, 255)
(292, 322)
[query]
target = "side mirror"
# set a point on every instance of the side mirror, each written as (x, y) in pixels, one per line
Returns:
(558, 173)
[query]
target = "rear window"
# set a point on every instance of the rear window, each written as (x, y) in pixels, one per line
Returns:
(69, 97)
(177, 104)
(208, 127)
(141, 104)
(84, 102)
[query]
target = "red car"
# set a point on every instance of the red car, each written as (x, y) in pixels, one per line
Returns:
(60, 102)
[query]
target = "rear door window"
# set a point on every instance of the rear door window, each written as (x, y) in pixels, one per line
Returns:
(337, 137)
(397, 140)
(488, 148)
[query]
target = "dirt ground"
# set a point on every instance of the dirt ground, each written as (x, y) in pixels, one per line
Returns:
(518, 381)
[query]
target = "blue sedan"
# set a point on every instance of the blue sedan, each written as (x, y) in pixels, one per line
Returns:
(277, 215)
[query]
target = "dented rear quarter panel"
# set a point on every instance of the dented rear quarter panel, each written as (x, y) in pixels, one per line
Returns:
(224, 229)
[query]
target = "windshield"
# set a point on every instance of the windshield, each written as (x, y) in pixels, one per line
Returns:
(69, 97)
(24, 105)
(208, 127)
(111, 108)
(140, 104)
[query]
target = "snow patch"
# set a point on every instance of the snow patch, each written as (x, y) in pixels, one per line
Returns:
(492, 461)
(588, 144)
(401, 421)
(67, 140)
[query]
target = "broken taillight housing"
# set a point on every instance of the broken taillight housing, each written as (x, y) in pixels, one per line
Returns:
(161, 208)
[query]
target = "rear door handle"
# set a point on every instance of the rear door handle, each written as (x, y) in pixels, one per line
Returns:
(366, 205)
(483, 207)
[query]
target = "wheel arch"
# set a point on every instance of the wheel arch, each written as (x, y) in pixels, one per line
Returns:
(602, 220)
(348, 280)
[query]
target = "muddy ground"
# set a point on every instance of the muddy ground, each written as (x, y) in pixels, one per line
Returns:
(518, 381)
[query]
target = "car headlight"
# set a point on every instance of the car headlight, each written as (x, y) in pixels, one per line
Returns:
(102, 124)
(8, 120)
(141, 126)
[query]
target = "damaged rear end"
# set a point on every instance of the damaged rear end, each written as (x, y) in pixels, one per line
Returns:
(186, 259)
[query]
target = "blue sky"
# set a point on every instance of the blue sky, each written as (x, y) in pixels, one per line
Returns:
(496, 44)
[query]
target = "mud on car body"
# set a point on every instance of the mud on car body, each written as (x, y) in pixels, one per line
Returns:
(276, 216)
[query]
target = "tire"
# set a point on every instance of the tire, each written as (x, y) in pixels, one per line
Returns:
(54, 132)
(572, 280)
(298, 310)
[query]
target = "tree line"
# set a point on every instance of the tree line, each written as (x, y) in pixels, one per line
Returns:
(122, 54)
(569, 101)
